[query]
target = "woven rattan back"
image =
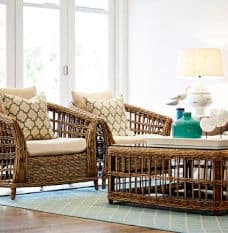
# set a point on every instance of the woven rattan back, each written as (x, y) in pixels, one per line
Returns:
(66, 124)
(142, 121)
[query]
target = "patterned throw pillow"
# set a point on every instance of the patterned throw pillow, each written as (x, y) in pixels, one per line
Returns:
(26, 92)
(78, 98)
(31, 114)
(112, 111)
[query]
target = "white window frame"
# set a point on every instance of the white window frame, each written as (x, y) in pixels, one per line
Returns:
(9, 42)
(119, 47)
(67, 45)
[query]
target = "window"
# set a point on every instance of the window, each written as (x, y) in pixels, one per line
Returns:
(41, 46)
(2, 45)
(55, 45)
(91, 34)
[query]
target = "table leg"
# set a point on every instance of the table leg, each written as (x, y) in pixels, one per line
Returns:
(218, 177)
(189, 175)
(111, 179)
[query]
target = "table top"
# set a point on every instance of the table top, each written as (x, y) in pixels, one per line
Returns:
(210, 143)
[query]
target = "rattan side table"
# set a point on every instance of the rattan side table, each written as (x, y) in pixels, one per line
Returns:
(192, 180)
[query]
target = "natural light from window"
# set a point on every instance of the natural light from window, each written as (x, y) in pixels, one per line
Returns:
(41, 49)
(56, 2)
(99, 4)
(91, 62)
(2, 45)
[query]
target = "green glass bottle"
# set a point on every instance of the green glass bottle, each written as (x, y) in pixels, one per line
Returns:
(186, 127)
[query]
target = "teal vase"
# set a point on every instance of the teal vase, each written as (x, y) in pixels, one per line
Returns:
(186, 127)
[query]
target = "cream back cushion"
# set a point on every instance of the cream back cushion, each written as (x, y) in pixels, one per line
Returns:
(32, 115)
(79, 101)
(112, 111)
(26, 93)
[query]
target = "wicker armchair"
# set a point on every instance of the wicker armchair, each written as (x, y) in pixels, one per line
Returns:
(141, 121)
(19, 169)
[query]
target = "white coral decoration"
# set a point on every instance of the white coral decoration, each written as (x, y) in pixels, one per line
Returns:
(218, 118)
(207, 124)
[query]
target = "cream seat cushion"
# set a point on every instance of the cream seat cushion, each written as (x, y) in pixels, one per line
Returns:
(27, 93)
(137, 139)
(56, 146)
(79, 101)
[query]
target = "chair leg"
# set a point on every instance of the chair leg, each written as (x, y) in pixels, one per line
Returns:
(103, 182)
(13, 193)
(95, 184)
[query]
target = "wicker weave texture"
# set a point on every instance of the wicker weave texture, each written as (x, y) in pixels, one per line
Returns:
(142, 121)
(54, 169)
(186, 179)
(17, 168)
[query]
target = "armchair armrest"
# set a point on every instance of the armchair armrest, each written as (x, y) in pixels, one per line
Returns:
(142, 121)
(71, 123)
(13, 153)
(101, 125)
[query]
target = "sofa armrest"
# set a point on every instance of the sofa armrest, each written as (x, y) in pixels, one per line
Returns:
(13, 153)
(142, 121)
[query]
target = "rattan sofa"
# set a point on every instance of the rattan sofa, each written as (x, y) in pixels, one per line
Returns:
(19, 169)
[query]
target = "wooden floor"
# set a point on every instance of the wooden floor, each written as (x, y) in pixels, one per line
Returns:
(25, 221)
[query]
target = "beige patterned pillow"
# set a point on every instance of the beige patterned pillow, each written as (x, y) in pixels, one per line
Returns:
(26, 92)
(79, 101)
(112, 111)
(31, 114)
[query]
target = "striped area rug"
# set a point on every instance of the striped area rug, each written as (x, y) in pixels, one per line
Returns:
(91, 204)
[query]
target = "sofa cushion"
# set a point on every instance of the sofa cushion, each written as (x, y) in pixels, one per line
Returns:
(79, 101)
(31, 115)
(56, 146)
(27, 93)
(112, 111)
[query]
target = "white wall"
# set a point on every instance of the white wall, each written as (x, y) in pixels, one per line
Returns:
(158, 29)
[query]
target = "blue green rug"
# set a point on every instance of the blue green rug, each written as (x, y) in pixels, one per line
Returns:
(91, 204)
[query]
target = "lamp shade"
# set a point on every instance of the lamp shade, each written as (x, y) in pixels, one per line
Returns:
(200, 62)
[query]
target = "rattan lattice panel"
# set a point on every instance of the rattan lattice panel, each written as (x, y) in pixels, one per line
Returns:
(185, 179)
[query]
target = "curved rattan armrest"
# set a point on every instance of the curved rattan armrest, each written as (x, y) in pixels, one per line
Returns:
(67, 122)
(142, 121)
(105, 128)
(13, 153)
(72, 123)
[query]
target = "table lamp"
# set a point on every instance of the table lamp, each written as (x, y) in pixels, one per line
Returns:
(200, 63)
